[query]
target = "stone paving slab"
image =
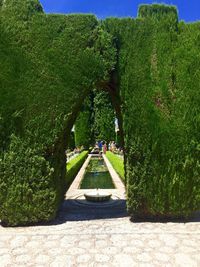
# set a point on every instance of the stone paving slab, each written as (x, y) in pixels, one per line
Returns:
(71, 240)
(100, 250)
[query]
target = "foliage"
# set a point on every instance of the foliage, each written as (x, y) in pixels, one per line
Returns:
(117, 163)
(11, 64)
(96, 120)
(83, 125)
(27, 194)
(104, 117)
(157, 11)
(49, 63)
(71, 143)
(161, 144)
(74, 166)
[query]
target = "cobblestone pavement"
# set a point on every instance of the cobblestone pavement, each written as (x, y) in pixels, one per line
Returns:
(102, 236)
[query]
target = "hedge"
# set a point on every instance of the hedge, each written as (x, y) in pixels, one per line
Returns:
(74, 166)
(104, 117)
(50, 63)
(157, 11)
(40, 99)
(96, 120)
(117, 163)
(159, 83)
(83, 125)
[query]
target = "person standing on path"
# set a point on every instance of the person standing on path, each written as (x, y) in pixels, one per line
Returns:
(100, 146)
(104, 148)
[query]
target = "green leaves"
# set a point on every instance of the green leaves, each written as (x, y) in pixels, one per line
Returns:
(104, 117)
(50, 63)
(159, 83)
(118, 164)
(74, 166)
(26, 182)
(157, 11)
(21, 9)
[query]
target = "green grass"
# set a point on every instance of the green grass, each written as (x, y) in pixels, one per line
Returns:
(74, 166)
(117, 163)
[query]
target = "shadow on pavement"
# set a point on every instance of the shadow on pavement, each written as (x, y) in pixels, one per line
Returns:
(81, 210)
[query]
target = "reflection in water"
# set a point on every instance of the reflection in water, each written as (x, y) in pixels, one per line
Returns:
(97, 176)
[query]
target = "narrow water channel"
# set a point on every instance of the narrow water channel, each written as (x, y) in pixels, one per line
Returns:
(97, 176)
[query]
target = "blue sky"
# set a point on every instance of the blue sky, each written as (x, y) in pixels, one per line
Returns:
(189, 10)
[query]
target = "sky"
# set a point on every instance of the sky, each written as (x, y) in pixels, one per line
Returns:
(189, 10)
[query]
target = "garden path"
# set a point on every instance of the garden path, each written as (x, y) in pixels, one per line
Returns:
(104, 236)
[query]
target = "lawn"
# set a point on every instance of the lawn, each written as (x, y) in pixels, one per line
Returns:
(117, 163)
(74, 166)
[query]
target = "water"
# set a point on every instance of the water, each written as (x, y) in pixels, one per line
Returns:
(97, 176)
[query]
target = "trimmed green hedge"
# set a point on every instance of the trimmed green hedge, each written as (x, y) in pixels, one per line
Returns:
(25, 191)
(159, 86)
(117, 163)
(157, 11)
(48, 66)
(74, 166)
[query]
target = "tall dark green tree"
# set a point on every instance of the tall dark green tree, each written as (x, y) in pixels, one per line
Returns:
(83, 125)
(104, 117)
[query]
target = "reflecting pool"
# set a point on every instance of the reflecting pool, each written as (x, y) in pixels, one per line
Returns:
(97, 176)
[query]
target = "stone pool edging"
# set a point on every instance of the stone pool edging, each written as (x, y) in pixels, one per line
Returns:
(74, 190)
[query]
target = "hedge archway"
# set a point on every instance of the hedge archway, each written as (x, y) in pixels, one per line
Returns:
(48, 65)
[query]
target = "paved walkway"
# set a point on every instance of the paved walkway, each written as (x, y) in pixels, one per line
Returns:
(103, 236)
